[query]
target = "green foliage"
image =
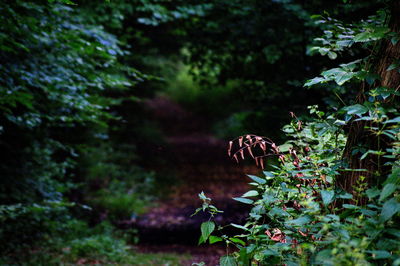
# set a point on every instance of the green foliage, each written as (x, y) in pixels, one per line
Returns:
(296, 216)
(300, 215)
(76, 243)
(61, 77)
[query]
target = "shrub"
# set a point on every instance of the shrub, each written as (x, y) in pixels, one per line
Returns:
(333, 199)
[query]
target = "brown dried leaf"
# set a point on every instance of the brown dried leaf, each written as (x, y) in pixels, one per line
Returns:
(302, 233)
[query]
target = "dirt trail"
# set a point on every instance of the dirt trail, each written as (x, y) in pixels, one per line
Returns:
(201, 163)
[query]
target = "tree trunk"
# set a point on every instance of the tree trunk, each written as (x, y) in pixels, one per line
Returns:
(359, 134)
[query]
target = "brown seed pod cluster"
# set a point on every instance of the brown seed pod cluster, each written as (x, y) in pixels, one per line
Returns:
(257, 147)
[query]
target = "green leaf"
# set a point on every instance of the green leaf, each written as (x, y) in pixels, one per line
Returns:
(387, 190)
(240, 227)
(314, 81)
(327, 196)
(269, 175)
(251, 193)
(244, 200)
(277, 211)
(390, 208)
(270, 252)
(379, 254)
(227, 261)
(215, 239)
(356, 109)
(324, 255)
(344, 195)
(201, 240)
(394, 40)
(257, 179)
(237, 241)
(299, 221)
(350, 206)
(394, 177)
(332, 55)
(392, 66)
(341, 79)
(394, 120)
(285, 147)
(362, 37)
(206, 229)
(372, 192)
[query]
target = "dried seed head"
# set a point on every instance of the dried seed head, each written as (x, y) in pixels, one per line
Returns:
(240, 141)
(299, 125)
(235, 156)
(250, 152)
(242, 154)
(262, 163)
(249, 138)
(263, 146)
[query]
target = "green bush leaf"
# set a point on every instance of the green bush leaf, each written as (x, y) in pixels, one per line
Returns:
(269, 175)
(356, 109)
(324, 255)
(327, 196)
(362, 37)
(251, 193)
(379, 254)
(240, 227)
(390, 208)
(206, 229)
(227, 261)
(394, 120)
(387, 190)
(237, 240)
(215, 239)
(257, 179)
(350, 206)
(314, 81)
(300, 221)
(372, 192)
(244, 200)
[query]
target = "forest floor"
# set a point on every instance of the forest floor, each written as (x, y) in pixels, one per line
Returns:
(201, 163)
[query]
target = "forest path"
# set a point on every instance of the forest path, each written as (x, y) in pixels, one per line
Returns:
(201, 164)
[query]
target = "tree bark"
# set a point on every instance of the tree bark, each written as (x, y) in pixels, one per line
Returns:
(359, 134)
